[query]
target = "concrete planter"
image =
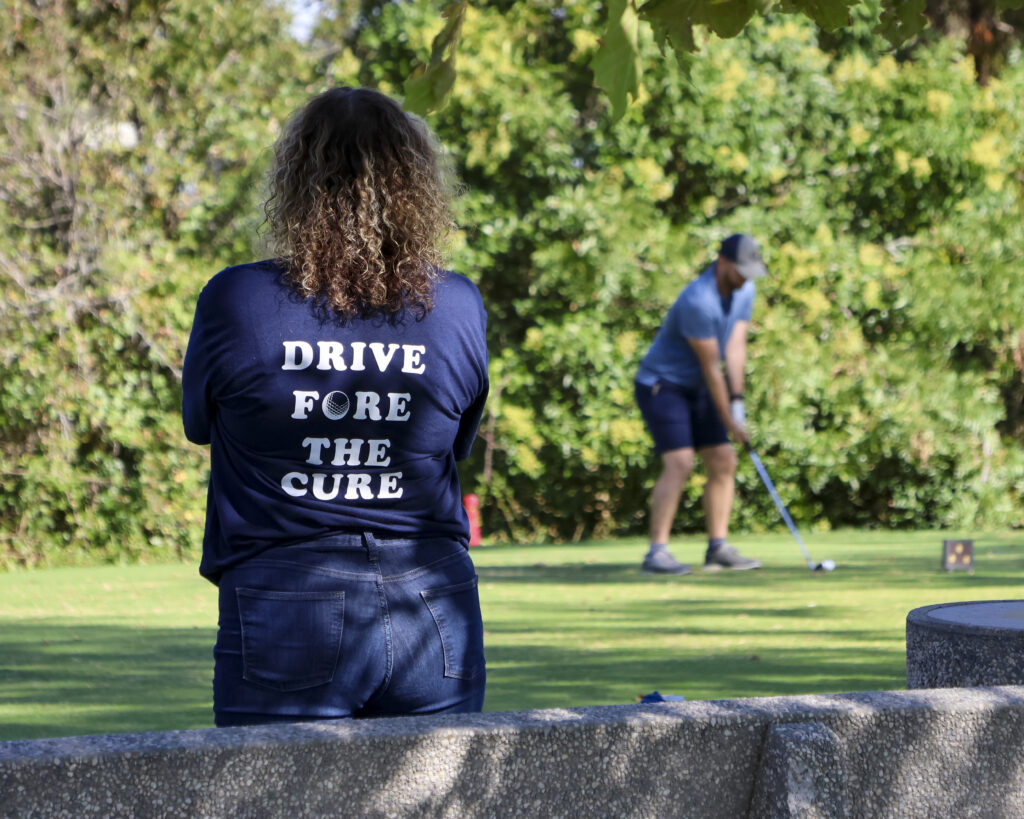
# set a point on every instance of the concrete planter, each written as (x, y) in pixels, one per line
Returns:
(952, 645)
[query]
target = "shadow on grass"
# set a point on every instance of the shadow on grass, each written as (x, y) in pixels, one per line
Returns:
(60, 679)
(583, 574)
(894, 571)
(522, 676)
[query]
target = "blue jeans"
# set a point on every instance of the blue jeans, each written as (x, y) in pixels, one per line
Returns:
(349, 626)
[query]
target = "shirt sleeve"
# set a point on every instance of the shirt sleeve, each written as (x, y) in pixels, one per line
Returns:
(692, 321)
(197, 408)
(468, 426)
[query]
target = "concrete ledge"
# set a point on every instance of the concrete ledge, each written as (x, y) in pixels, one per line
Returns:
(970, 643)
(801, 773)
(944, 752)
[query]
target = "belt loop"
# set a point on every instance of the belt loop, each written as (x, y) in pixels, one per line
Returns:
(372, 547)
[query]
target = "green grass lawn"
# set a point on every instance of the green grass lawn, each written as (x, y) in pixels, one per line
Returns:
(116, 649)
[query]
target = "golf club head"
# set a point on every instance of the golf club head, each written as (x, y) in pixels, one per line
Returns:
(826, 566)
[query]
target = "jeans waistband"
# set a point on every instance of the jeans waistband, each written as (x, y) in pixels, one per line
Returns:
(352, 540)
(365, 543)
(392, 557)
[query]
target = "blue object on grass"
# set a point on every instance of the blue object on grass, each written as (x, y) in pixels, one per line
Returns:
(654, 696)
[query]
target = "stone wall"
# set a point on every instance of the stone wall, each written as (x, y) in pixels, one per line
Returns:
(931, 752)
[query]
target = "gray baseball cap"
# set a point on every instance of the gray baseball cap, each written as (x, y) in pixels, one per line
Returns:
(744, 252)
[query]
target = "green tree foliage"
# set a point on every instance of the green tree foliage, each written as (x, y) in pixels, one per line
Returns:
(619, 66)
(887, 191)
(127, 161)
(887, 357)
(989, 29)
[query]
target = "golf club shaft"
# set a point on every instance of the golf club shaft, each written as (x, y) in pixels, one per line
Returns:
(767, 481)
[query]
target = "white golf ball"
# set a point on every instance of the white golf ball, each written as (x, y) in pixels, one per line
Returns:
(828, 565)
(336, 405)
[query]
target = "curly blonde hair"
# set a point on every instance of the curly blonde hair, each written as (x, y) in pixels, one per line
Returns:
(358, 208)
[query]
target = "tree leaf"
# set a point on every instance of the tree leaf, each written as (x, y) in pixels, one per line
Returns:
(427, 88)
(669, 26)
(829, 14)
(901, 20)
(726, 18)
(676, 17)
(617, 62)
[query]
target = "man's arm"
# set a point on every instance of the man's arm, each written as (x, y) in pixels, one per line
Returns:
(707, 353)
(736, 358)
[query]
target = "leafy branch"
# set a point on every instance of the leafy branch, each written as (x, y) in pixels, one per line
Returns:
(617, 65)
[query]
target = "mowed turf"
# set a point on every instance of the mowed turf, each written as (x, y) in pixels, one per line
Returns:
(119, 649)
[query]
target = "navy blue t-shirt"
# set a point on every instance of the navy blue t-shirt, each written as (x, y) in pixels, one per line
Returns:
(318, 427)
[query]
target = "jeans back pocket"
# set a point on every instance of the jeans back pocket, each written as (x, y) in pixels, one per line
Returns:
(290, 639)
(456, 612)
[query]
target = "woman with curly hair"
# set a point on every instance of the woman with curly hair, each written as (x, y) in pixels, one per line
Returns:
(337, 385)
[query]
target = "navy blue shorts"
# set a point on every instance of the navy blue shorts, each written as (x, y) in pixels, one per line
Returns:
(678, 417)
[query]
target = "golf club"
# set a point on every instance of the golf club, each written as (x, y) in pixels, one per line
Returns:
(825, 565)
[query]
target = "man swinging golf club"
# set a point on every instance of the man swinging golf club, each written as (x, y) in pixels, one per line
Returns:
(690, 406)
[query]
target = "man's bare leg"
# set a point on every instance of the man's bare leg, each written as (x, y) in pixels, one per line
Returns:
(721, 463)
(677, 464)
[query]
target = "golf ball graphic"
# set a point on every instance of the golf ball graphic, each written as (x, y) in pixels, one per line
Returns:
(336, 405)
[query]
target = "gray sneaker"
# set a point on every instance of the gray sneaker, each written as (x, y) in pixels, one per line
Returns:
(726, 557)
(662, 562)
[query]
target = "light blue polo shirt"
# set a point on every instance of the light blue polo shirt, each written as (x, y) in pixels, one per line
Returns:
(699, 312)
